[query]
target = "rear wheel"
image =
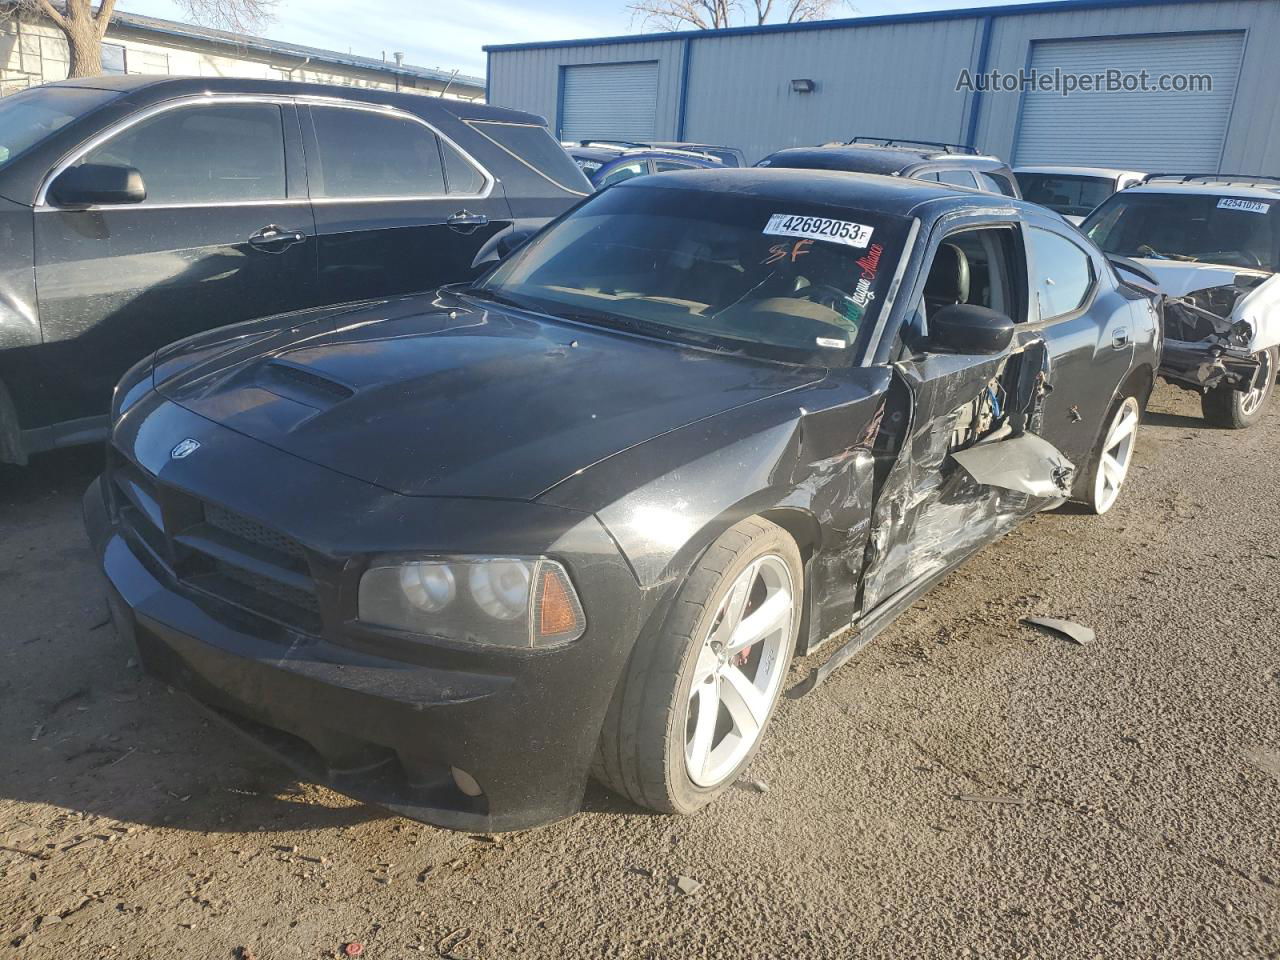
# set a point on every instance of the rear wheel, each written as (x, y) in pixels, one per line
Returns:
(1237, 409)
(1109, 465)
(693, 706)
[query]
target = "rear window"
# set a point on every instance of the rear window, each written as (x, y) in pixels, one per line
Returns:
(28, 117)
(534, 146)
(367, 154)
(1071, 196)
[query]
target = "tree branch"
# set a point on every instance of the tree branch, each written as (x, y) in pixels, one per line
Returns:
(50, 11)
(103, 19)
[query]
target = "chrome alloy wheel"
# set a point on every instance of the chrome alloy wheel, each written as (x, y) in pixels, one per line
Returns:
(739, 669)
(1252, 400)
(1116, 456)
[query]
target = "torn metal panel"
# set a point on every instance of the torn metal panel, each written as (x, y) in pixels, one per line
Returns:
(930, 511)
(1027, 464)
(1216, 319)
(1067, 628)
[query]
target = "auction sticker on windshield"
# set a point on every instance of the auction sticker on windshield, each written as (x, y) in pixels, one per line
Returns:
(819, 228)
(1251, 206)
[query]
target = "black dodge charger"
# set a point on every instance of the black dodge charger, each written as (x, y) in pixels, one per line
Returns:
(452, 553)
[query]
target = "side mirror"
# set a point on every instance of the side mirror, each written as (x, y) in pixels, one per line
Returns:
(965, 328)
(512, 241)
(97, 183)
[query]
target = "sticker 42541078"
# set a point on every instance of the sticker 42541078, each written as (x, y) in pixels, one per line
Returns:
(819, 228)
(1250, 206)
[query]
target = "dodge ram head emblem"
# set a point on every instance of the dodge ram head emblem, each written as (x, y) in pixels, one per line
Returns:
(185, 449)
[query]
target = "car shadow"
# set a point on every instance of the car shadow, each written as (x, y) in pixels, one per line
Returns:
(1158, 419)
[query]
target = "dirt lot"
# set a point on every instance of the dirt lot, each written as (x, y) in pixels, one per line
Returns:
(1138, 778)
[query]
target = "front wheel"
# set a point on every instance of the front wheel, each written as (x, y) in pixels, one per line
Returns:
(1237, 409)
(692, 708)
(1112, 457)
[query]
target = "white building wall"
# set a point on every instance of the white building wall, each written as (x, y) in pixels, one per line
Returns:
(36, 52)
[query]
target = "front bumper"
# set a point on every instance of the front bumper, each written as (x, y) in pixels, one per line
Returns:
(384, 729)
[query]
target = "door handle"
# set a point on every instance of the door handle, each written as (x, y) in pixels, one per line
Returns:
(464, 221)
(275, 239)
(1119, 338)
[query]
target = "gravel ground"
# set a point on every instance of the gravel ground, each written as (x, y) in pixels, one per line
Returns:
(966, 787)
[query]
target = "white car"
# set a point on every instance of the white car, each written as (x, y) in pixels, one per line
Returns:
(1211, 243)
(1073, 191)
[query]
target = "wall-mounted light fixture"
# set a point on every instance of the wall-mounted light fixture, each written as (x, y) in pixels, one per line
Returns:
(803, 85)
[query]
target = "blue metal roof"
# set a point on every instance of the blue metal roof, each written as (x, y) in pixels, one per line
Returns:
(1010, 10)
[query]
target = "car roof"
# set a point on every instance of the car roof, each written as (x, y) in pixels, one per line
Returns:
(873, 158)
(899, 196)
(594, 153)
(1225, 188)
(693, 145)
(608, 153)
(148, 89)
(1069, 170)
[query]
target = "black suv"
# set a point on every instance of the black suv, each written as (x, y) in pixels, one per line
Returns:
(135, 211)
(951, 163)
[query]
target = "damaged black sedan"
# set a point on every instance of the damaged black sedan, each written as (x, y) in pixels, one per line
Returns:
(454, 553)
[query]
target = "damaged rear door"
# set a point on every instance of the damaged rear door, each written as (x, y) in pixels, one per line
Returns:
(947, 397)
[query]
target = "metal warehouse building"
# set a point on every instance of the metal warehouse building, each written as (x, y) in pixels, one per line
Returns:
(767, 87)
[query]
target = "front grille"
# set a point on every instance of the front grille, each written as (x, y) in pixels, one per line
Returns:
(223, 519)
(217, 551)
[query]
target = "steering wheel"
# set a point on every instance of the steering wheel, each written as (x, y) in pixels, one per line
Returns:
(824, 294)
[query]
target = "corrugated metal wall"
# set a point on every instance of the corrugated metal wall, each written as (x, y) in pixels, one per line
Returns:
(740, 86)
(1253, 136)
(898, 78)
(530, 79)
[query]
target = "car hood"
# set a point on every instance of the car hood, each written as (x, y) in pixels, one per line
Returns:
(1179, 277)
(442, 396)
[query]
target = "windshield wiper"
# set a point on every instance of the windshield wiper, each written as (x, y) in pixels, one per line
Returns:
(486, 293)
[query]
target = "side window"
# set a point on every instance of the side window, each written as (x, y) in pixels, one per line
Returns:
(996, 183)
(974, 267)
(1063, 273)
(662, 166)
(533, 146)
(204, 154)
(957, 178)
(637, 168)
(367, 154)
(461, 173)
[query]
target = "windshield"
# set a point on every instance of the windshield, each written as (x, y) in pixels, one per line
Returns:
(790, 281)
(1200, 227)
(1071, 196)
(30, 116)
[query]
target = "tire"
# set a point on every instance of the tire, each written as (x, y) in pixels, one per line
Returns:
(1234, 409)
(1112, 456)
(649, 752)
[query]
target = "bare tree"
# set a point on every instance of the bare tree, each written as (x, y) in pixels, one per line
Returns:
(718, 14)
(84, 27)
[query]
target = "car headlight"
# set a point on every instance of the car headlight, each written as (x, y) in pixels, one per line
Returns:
(502, 601)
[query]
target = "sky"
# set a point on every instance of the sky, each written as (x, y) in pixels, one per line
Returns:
(449, 34)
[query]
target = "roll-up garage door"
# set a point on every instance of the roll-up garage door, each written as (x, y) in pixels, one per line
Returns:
(1150, 130)
(610, 101)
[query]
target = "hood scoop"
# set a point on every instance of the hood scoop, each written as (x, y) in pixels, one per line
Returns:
(301, 385)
